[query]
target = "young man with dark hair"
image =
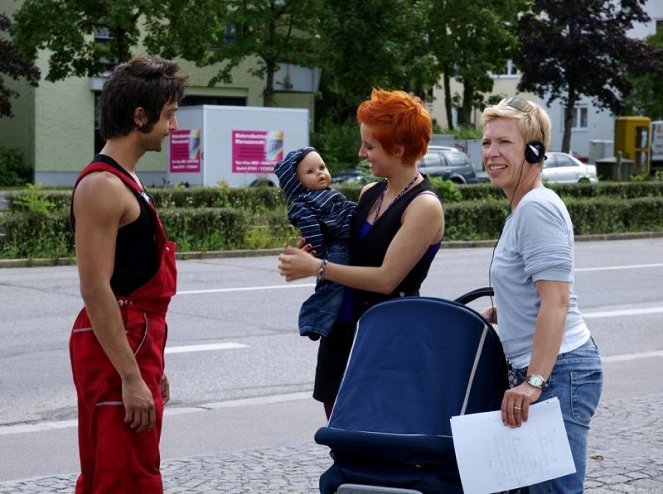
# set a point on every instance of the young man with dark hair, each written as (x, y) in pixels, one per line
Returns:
(127, 278)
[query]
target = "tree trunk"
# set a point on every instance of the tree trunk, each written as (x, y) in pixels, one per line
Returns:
(568, 120)
(465, 114)
(268, 94)
(447, 99)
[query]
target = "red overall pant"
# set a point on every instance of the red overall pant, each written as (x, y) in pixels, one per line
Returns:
(114, 458)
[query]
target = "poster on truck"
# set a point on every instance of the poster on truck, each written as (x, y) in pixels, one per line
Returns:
(255, 151)
(185, 151)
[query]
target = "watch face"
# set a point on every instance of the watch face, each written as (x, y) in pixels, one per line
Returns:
(536, 381)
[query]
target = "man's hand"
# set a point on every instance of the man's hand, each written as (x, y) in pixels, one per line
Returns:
(138, 404)
(165, 389)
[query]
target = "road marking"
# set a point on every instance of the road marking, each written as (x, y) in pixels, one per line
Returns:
(623, 312)
(632, 356)
(612, 268)
(169, 412)
(204, 348)
(40, 427)
(311, 285)
(245, 289)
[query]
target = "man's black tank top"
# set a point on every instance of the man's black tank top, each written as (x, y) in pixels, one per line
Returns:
(136, 257)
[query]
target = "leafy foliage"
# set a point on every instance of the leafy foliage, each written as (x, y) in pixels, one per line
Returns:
(12, 170)
(231, 31)
(337, 143)
(200, 220)
(368, 44)
(14, 66)
(32, 200)
(648, 88)
(571, 48)
(67, 29)
(470, 40)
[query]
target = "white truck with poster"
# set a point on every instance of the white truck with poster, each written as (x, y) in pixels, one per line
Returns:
(237, 145)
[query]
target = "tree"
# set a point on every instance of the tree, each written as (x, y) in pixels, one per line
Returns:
(84, 37)
(231, 31)
(571, 48)
(373, 43)
(646, 97)
(14, 66)
(470, 40)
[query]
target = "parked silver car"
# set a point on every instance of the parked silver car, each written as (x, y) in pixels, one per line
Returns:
(562, 168)
(448, 163)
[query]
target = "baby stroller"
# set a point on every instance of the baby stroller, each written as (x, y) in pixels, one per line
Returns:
(415, 363)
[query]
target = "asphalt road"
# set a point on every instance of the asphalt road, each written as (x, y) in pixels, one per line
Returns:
(241, 375)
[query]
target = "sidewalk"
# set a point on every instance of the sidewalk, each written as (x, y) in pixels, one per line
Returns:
(625, 449)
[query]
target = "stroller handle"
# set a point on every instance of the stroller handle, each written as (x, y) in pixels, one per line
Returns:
(486, 291)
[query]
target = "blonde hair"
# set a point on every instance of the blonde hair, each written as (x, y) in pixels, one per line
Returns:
(533, 121)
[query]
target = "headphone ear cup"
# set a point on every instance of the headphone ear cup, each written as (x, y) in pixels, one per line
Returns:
(534, 152)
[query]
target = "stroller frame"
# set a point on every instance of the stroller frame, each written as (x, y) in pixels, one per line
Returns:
(415, 363)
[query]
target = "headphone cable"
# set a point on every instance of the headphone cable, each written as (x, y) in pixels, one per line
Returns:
(492, 255)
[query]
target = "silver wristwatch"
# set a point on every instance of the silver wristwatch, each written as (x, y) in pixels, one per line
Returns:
(536, 380)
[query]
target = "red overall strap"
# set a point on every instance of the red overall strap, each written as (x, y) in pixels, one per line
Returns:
(154, 296)
(98, 166)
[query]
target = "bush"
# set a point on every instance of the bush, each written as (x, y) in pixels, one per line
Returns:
(474, 220)
(205, 229)
(31, 234)
(12, 170)
(222, 218)
(338, 144)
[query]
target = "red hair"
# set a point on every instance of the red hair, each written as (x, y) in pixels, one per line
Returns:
(395, 119)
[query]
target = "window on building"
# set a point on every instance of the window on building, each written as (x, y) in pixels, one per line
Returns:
(659, 26)
(580, 117)
(104, 36)
(510, 70)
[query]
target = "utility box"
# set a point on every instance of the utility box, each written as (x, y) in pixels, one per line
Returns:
(237, 145)
(614, 168)
(599, 149)
(632, 140)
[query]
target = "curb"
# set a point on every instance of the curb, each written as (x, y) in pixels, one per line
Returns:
(223, 254)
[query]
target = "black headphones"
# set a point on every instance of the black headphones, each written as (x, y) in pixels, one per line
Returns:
(535, 151)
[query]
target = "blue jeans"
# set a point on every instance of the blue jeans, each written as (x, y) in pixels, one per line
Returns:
(576, 381)
(319, 312)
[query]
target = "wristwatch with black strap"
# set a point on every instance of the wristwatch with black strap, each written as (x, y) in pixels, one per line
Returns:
(536, 381)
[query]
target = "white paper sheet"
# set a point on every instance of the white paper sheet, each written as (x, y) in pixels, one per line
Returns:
(493, 457)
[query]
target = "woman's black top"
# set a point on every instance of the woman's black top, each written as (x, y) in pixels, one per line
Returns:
(370, 250)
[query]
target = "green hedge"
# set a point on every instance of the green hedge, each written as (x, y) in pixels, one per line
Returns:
(30, 234)
(253, 199)
(211, 219)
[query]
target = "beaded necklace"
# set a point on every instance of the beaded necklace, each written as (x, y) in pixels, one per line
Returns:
(400, 194)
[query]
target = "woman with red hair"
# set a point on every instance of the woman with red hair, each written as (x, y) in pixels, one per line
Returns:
(396, 231)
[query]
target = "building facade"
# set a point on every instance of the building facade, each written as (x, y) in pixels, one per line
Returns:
(593, 129)
(55, 125)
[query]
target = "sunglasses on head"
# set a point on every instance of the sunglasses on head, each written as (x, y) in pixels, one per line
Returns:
(519, 104)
